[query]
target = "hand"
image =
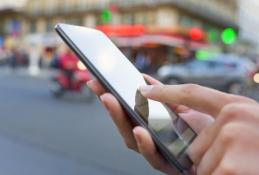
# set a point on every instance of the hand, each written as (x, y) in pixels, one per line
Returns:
(137, 138)
(230, 145)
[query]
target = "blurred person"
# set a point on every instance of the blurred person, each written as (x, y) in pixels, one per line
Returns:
(13, 58)
(157, 57)
(24, 57)
(49, 58)
(54, 62)
(183, 54)
(227, 127)
(4, 55)
(142, 62)
(72, 77)
(18, 56)
(67, 62)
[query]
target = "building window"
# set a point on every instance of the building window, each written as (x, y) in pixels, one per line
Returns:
(139, 18)
(33, 27)
(75, 21)
(127, 18)
(49, 26)
(68, 5)
(186, 21)
(51, 6)
(150, 18)
(82, 4)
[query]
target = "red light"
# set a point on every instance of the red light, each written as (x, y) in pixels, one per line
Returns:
(196, 33)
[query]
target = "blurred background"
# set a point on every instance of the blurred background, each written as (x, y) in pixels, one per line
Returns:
(50, 123)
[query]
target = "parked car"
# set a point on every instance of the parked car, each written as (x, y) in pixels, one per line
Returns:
(224, 72)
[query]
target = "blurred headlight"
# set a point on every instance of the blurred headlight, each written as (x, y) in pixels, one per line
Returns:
(256, 78)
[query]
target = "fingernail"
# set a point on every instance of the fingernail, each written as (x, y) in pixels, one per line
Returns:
(145, 90)
(103, 102)
(137, 136)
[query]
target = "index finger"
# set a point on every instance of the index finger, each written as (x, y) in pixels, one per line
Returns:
(200, 98)
(151, 80)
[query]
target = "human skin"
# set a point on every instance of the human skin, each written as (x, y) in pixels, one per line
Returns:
(227, 127)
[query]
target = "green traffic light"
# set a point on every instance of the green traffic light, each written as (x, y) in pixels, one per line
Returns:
(106, 16)
(229, 36)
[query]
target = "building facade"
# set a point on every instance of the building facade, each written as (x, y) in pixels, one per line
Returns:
(10, 16)
(249, 24)
(40, 16)
(201, 13)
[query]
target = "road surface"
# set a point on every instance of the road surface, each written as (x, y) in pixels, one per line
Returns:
(43, 135)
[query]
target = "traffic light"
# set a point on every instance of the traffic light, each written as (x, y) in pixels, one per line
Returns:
(107, 13)
(196, 34)
(106, 16)
(228, 36)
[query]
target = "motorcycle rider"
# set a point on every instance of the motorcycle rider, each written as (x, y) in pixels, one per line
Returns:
(68, 64)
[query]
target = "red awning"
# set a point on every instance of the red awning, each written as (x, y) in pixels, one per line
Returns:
(122, 30)
(139, 35)
(155, 39)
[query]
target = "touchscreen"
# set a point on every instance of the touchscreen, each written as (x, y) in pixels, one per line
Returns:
(126, 79)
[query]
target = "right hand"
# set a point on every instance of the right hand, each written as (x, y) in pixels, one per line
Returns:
(138, 138)
(229, 144)
(202, 99)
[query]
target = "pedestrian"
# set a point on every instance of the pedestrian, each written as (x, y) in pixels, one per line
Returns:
(227, 127)
(142, 63)
(13, 58)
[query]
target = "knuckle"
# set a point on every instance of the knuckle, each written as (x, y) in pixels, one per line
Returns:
(239, 111)
(230, 112)
(228, 134)
(227, 168)
(241, 99)
(195, 150)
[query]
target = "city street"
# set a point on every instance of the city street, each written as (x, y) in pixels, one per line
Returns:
(45, 132)
(42, 135)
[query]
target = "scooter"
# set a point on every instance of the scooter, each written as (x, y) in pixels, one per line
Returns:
(72, 81)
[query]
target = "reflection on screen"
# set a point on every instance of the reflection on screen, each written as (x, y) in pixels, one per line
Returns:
(126, 79)
(172, 131)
